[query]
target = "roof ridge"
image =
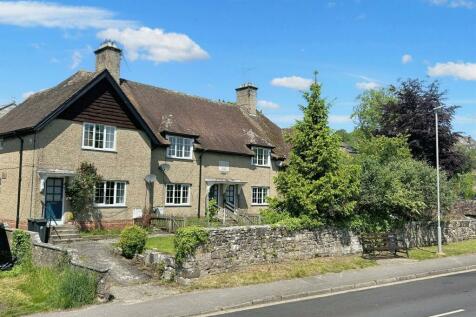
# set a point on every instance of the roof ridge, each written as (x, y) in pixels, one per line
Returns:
(222, 103)
(7, 105)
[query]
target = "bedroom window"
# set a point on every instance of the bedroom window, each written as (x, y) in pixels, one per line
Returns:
(110, 194)
(180, 147)
(99, 137)
(259, 195)
(178, 195)
(262, 156)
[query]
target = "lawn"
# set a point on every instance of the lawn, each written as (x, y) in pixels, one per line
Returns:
(163, 244)
(450, 249)
(280, 271)
(100, 232)
(27, 290)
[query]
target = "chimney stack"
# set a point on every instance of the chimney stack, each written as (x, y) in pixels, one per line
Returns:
(108, 56)
(246, 97)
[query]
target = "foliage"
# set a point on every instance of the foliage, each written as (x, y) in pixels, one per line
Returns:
(282, 271)
(283, 219)
(368, 113)
(212, 209)
(394, 187)
(450, 249)
(318, 181)
(163, 244)
(132, 241)
(76, 288)
(33, 289)
(463, 185)
(407, 110)
(21, 246)
(187, 239)
(81, 191)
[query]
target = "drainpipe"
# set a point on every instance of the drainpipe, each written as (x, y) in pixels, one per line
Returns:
(20, 170)
(200, 183)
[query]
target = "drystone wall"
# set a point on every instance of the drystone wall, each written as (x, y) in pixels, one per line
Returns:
(231, 248)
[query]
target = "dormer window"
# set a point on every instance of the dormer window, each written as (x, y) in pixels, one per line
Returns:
(180, 147)
(99, 137)
(262, 156)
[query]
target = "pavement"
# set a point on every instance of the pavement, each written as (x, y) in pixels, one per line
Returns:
(444, 296)
(209, 301)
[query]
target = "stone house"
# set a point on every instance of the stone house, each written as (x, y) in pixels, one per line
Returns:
(155, 148)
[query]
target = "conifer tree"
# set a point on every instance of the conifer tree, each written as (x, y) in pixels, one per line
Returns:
(319, 181)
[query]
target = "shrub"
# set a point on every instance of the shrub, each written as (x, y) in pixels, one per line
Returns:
(68, 216)
(270, 216)
(212, 209)
(187, 240)
(283, 219)
(132, 241)
(21, 246)
(76, 288)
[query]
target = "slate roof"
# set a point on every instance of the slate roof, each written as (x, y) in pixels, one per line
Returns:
(216, 126)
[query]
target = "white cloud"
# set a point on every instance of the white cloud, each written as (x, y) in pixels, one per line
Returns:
(367, 85)
(54, 15)
(334, 118)
(406, 58)
(286, 119)
(293, 82)
(155, 44)
(76, 59)
(465, 71)
(465, 119)
(466, 4)
(265, 104)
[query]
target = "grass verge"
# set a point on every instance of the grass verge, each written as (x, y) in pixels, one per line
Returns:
(100, 232)
(163, 244)
(28, 289)
(450, 249)
(281, 271)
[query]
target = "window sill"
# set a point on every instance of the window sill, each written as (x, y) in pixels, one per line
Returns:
(110, 206)
(167, 205)
(180, 158)
(266, 166)
(258, 205)
(98, 150)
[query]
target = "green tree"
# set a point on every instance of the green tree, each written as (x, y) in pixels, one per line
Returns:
(395, 187)
(368, 113)
(81, 192)
(318, 181)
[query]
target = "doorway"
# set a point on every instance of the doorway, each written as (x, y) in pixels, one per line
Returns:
(54, 198)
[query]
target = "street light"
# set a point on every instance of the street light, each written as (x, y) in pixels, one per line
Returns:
(440, 247)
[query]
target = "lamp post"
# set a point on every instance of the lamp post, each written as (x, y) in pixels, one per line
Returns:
(440, 247)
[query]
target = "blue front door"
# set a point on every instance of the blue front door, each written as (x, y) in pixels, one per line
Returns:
(54, 198)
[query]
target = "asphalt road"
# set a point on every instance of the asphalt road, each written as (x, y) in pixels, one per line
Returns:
(453, 295)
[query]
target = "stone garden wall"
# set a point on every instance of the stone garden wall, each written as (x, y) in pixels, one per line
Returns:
(230, 248)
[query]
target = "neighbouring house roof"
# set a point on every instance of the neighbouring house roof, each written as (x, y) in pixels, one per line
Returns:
(6, 108)
(216, 126)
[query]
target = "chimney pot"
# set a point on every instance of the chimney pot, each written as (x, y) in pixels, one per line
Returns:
(246, 97)
(108, 56)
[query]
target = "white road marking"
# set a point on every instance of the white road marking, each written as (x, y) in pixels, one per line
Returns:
(448, 313)
(294, 300)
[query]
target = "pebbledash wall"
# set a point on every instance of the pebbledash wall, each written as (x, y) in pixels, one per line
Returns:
(230, 248)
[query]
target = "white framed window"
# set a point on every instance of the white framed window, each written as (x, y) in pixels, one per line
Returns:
(259, 195)
(178, 195)
(99, 137)
(180, 147)
(110, 194)
(2, 144)
(262, 156)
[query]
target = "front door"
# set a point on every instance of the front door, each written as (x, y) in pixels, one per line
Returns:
(54, 198)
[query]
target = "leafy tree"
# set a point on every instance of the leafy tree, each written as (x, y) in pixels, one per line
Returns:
(368, 113)
(407, 110)
(318, 181)
(81, 192)
(394, 187)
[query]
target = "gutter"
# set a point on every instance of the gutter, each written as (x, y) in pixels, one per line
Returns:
(20, 170)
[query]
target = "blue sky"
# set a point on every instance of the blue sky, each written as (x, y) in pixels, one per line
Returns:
(208, 48)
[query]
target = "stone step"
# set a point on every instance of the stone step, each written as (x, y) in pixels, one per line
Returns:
(59, 241)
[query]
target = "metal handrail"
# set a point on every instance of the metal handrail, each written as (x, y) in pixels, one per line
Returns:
(49, 215)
